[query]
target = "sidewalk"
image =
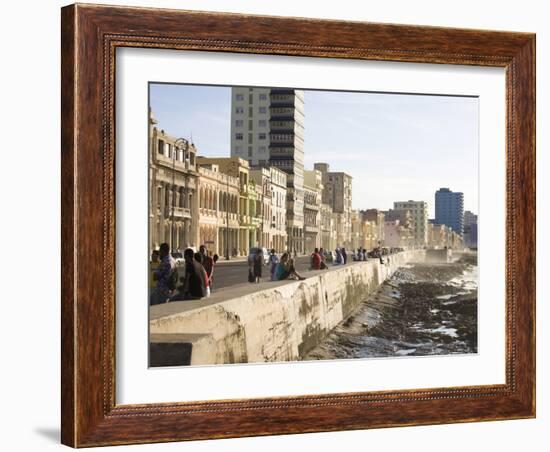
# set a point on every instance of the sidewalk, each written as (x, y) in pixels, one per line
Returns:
(222, 260)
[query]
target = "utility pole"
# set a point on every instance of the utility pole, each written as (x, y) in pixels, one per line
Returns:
(177, 148)
(227, 204)
(172, 240)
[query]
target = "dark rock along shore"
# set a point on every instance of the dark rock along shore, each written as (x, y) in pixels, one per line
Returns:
(423, 309)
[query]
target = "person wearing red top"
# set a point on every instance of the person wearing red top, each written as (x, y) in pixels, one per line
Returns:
(316, 260)
(208, 264)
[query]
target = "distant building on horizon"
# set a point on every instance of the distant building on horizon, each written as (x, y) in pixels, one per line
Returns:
(419, 212)
(470, 229)
(337, 192)
(449, 209)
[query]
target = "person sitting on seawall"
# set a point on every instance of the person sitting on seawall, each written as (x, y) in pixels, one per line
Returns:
(166, 276)
(323, 265)
(317, 260)
(195, 280)
(208, 264)
(200, 259)
(285, 269)
(339, 259)
(153, 265)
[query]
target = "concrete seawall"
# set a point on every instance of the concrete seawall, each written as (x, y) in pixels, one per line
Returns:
(271, 321)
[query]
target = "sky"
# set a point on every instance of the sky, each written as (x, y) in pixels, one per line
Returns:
(395, 146)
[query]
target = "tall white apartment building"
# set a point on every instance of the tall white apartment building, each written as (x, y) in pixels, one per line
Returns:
(419, 212)
(250, 124)
(267, 129)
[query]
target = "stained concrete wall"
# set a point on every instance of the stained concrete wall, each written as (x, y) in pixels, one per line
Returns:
(273, 321)
(439, 255)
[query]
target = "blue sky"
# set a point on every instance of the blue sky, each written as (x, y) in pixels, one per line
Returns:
(396, 146)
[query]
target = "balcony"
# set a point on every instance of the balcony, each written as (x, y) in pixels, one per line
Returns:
(245, 219)
(179, 212)
(310, 206)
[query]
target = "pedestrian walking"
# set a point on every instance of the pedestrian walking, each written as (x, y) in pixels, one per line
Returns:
(344, 256)
(273, 261)
(258, 263)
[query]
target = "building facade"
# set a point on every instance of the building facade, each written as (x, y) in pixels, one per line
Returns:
(437, 235)
(173, 182)
(357, 230)
(470, 229)
(250, 124)
(449, 209)
(377, 217)
(267, 129)
(441, 236)
(419, 212)
(313, 193)
(218, 210)
(248, 223)
(277, 186)
(397, 235)
(337, 192)
(328, 227)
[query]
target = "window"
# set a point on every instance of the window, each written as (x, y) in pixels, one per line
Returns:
(250, 151)
(161, 147)
(239, 97)
(239, 136)
(262, 123)
(263, 110)
(239, 122)
(238, 149)
(262, 149)
(239, 110)
(263, 96)
(261, 136)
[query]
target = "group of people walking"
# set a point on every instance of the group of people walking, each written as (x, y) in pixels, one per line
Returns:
(195, 283)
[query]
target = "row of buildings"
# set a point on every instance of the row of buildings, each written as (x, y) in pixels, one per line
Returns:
(263, 196)
(230, 205)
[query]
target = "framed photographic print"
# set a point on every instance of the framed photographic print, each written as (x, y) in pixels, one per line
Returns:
(281, 225)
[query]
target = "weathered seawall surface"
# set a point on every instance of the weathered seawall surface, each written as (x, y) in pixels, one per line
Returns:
(272, 321)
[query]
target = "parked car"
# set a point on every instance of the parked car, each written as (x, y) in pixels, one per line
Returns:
(178, 257)
(254, 250)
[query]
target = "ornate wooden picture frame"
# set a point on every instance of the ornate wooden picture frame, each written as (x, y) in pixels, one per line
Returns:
(90, 37)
